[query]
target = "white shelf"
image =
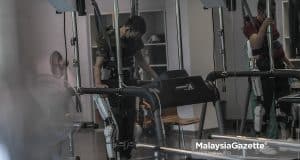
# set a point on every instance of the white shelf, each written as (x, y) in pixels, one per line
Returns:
(128, 12)
(154, 44)
(295, 60)
(158, 65)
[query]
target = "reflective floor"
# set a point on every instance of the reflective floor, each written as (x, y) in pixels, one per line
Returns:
(89, 145)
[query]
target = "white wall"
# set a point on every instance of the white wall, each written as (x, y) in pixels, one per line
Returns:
(201, 50)
(197, 38)
(11, 116)
(41, 33)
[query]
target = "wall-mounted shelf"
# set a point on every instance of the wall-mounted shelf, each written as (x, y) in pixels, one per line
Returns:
(155, 44)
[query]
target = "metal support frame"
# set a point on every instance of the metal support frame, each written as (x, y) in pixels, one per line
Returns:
(118, 46)
(222, 39)
(134, 7)
(270, 37)
(219, 117)
(76, 61)
(245, 110)
(179, 34)
(213, 76)
(138, 92)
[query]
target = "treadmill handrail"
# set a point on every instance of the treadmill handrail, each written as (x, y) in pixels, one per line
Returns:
(289, 73)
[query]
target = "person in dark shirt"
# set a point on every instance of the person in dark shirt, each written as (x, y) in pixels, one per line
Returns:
(106, 75)
(256, 32)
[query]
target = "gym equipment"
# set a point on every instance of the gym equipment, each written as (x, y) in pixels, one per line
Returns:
(187, 90)
(293, 98)
(213, 76)
(220, 4)
(130, 91)
(118, 46)
(179, 34)
(270, 36)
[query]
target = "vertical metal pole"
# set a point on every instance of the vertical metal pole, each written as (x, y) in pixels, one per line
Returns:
(245, 111)
(159, 128)
(76, 60)
(71, 143)
(202, 120)
(179, 34)
(270, 37)
(160, 134)
(222, 39)
(220, 116)
(134, 7)
(117, 34)
(137, 7)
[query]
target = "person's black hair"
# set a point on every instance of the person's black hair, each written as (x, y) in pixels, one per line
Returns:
(137, 23)
(262, 5)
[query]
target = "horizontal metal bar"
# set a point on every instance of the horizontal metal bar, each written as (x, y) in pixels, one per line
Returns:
(185, 152)
(289, 73)
(259, 140)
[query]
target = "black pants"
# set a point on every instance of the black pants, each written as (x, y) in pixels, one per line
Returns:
(124, 111)
(277, 87)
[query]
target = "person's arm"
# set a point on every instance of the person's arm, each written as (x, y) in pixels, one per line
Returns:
(144, 65)
(257, 39)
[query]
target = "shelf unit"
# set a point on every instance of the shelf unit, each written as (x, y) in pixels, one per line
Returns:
(156, 52)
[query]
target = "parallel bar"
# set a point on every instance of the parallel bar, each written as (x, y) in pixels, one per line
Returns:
(220, 117)
(202, 120)
(212, 76)
(222, 39)
(137, 92)
(117, 34)
(76, 49)
(270, 36)
(159, 128)
(179, 35)
(245, 111)
(259, 140)
(185, 152)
